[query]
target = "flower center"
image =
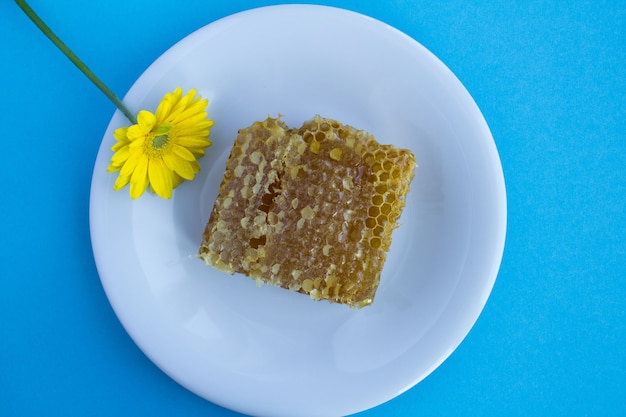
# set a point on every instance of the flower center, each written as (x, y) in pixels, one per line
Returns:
(161, 136)
(159, 141)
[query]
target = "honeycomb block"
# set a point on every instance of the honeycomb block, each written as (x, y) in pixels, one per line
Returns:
(311, 210)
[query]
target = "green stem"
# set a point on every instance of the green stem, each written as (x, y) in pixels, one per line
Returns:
(75, 60)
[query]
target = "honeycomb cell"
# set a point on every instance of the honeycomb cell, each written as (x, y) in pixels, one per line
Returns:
(382, 219)
(307, 284)
(368, 158)
(335, 154)
(315, 146)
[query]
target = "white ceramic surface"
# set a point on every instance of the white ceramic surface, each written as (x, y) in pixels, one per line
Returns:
(264, 350)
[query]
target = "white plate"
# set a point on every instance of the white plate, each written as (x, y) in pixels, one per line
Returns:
(267, 351)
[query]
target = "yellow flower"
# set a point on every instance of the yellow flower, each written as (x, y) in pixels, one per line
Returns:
(162, 149)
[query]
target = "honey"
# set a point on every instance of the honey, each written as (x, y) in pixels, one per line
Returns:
(311, 210)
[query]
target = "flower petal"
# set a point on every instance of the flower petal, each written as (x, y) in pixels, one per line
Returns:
(118, 146)
(135, 133)
(182, 152)
(176, 180)
(160, 178)
(192, 110)
(176, 95)
(139, 178)
(198, 151)
(146, 121)
(131, 163)
(179, 166)
(201, 128)
(164, 109)
(190, 120)
(188, 98)
(176, 107)
(192, 141)
(120, 134)
(120, 156)
(121, 182)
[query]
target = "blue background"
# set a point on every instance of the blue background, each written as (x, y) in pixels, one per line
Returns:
(550, 80)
